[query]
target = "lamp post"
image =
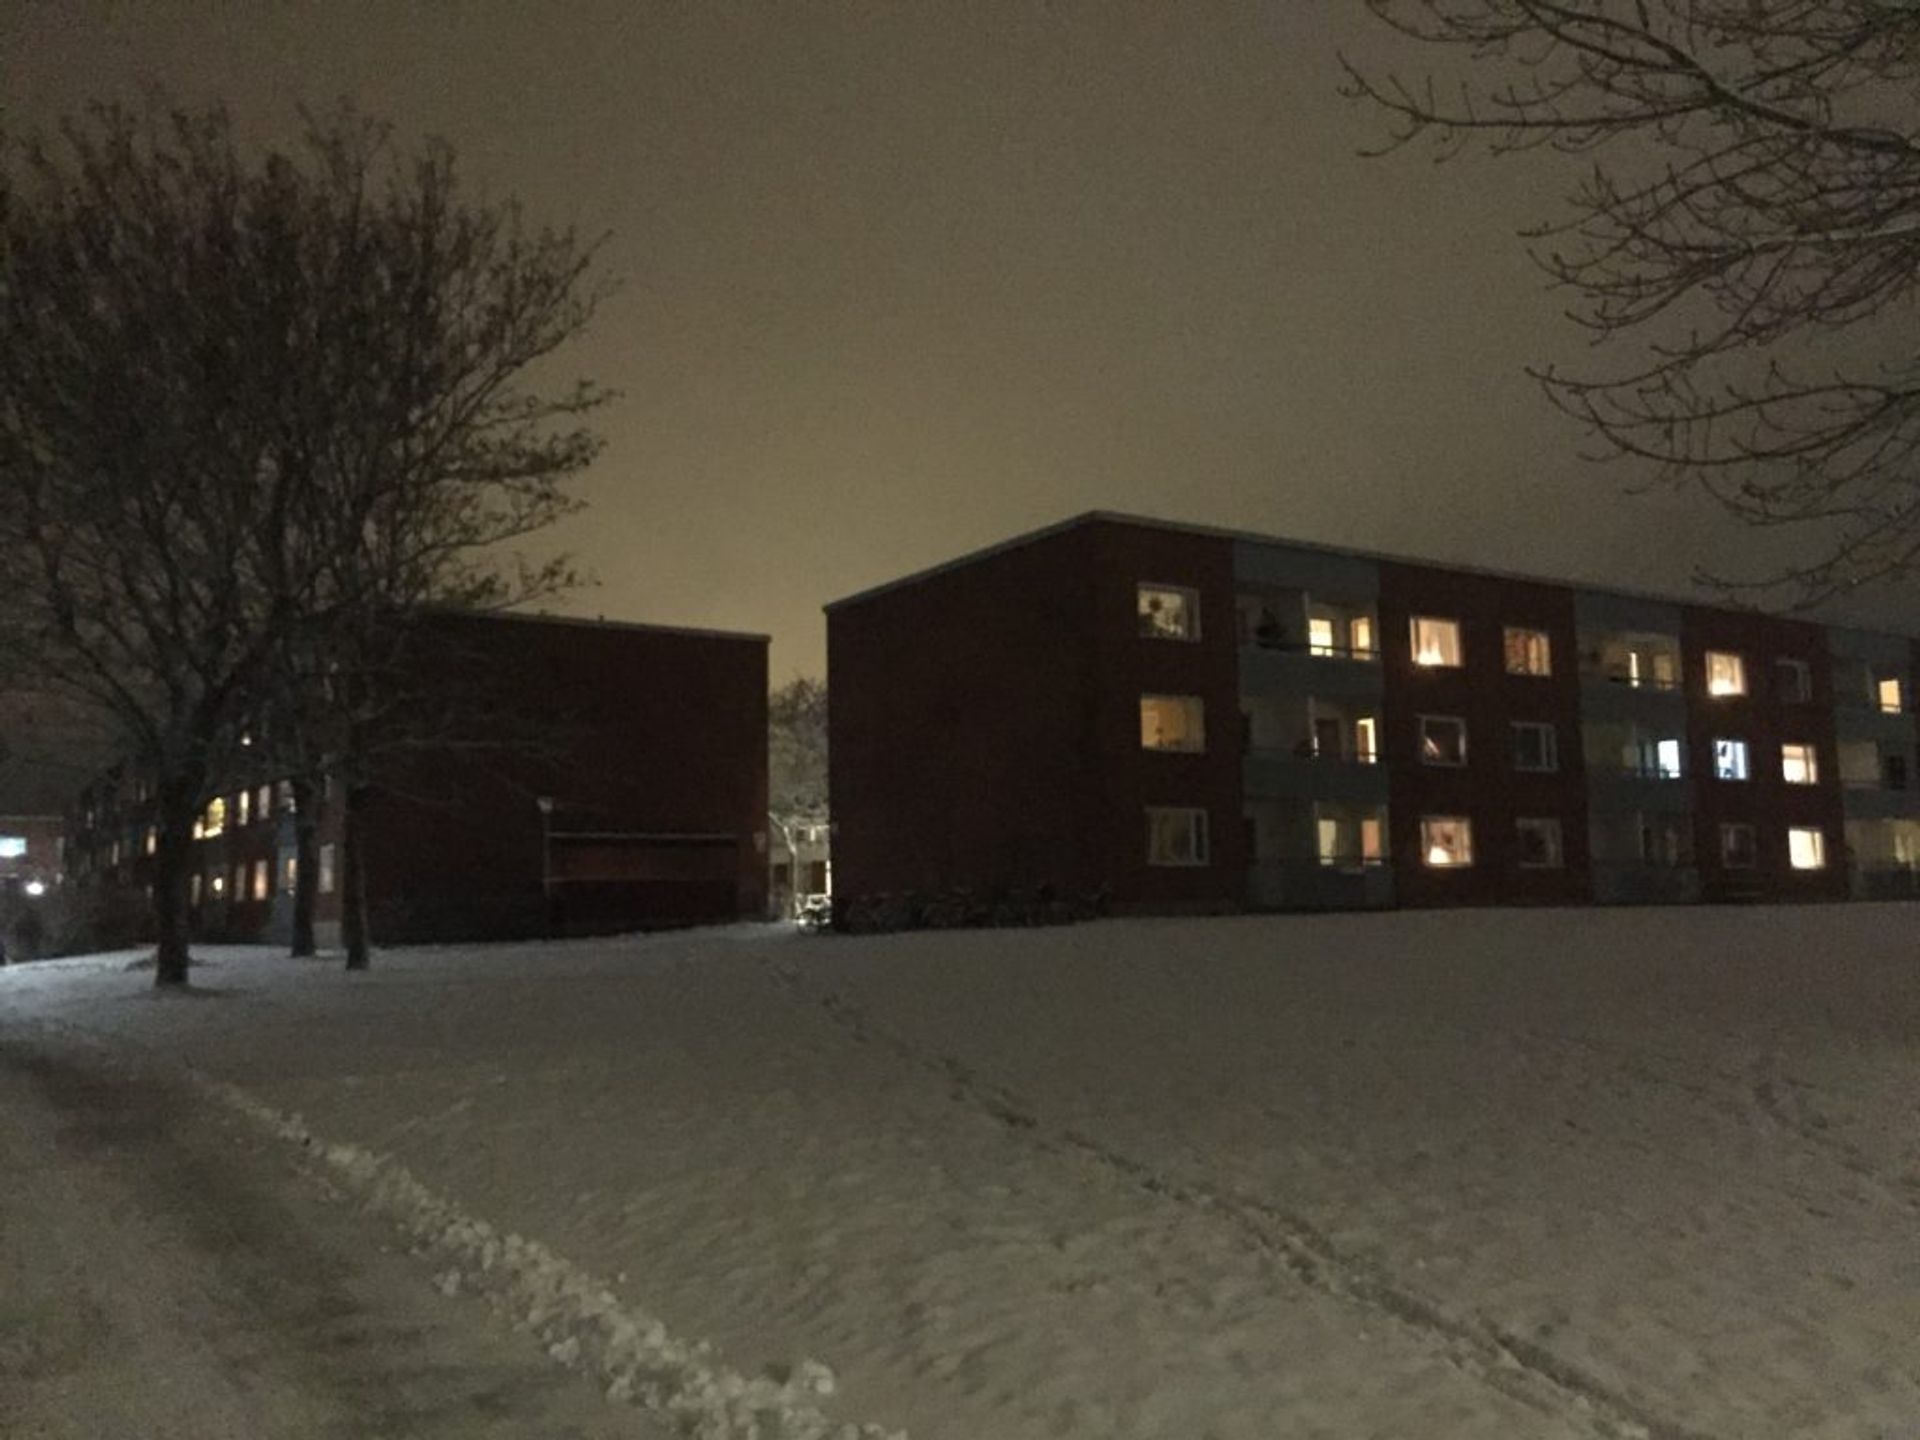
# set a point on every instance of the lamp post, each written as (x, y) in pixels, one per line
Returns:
(545, 802)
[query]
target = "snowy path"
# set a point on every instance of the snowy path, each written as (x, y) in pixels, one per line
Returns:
(1520, 1174)
(161, 1278)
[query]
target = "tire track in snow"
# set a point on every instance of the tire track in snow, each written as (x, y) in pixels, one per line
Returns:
(1500, 1358)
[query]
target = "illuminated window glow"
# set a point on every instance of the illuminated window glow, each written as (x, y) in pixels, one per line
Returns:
(1529, 652)
(1168, 612)
(1446, 841)
(1799, 765)
(260, 879)
(1173, 722)
(1730, 760)
(1436, 643)
(1886, 691)
(12, 847)
(1726, 673)
(1806, 848)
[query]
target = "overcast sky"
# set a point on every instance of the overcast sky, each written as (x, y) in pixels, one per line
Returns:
(902, 280)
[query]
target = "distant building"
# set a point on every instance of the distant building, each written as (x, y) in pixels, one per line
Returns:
(614, 778)
(1203, 720)
(30, 853)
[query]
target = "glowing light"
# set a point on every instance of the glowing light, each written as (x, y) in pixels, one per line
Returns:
(1722, 686)
(1439, 855)
(35, 887)
(1428, 656)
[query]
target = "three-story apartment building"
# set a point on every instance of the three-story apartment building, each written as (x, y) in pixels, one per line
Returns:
(1198, 719)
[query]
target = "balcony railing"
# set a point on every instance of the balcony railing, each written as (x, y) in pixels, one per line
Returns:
(1306, 751)
(1320, 649)
(1613, 675)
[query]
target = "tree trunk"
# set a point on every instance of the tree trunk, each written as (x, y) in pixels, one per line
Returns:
(306, 864)
(353, 879)
(172, 864)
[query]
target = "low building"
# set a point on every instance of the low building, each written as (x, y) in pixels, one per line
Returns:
(802, 865)
(1196, 719)
(602, 777)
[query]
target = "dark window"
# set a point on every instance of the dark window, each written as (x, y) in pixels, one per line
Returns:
(1896, 770)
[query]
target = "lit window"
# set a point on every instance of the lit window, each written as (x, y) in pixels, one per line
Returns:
(1446, 841)
(1726, 673)
(263, 802)
(1894, 770)
(1535, 746)
(289, 874)
(1529, 653)
(1792, 681)
(1806, 848)
(1540, 847)
(1730, 760)
(1366, 740)
(243, 807)
(326, 870)
(1320, 639)
(217, 884)
(1886, 690)
(1350, 841)
(214, 820)
(1666, 760)
(1799, 765)
(284, 793)
(240, 882)
(1176, 836)
(1169, 612)
(260, 879)
(12, 847)
(1173, 722)
(193, 888)
(152, 842)
(1737, 850)
(1436, 642)
(1443, 740)
(1362, 632)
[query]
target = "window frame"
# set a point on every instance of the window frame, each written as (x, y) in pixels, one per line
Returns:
(1746, 759)
(1739, 659)
(1880, 683)
(1201, 837)
(1459, 661)
(1190, 600)
(1428, 845)
(1459, 722)
(1199, 706)
(1730, 828)
(1548, 824)
(1527, 633)
(1819, 835)
(1810, 757)
(1551, 750)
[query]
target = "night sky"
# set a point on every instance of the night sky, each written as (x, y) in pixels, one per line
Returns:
(900, 281)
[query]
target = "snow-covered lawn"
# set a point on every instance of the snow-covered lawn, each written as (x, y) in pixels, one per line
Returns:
(1498, 1173)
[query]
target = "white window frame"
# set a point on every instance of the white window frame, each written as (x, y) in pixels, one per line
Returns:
(1190, 596)
(1454, 720)
(1427, 845)
(1201, 841)
(1199, 714)
(1551, 749)
(1532, 633)
(1414, 622)
(1746, 759)
(1810, 762)
(1551, 825)
(1819, 838)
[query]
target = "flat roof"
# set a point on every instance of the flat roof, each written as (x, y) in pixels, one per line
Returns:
(1252, 537)
(600, 622)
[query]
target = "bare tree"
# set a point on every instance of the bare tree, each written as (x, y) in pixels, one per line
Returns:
(422, 450)
(797, 763)
(132, 453)
(253, 414)
(1750, 218)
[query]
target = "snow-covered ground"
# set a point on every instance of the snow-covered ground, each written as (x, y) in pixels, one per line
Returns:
(1499, 1173)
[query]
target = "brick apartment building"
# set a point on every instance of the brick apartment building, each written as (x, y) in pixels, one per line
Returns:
(1205, 720)
(612, 777)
